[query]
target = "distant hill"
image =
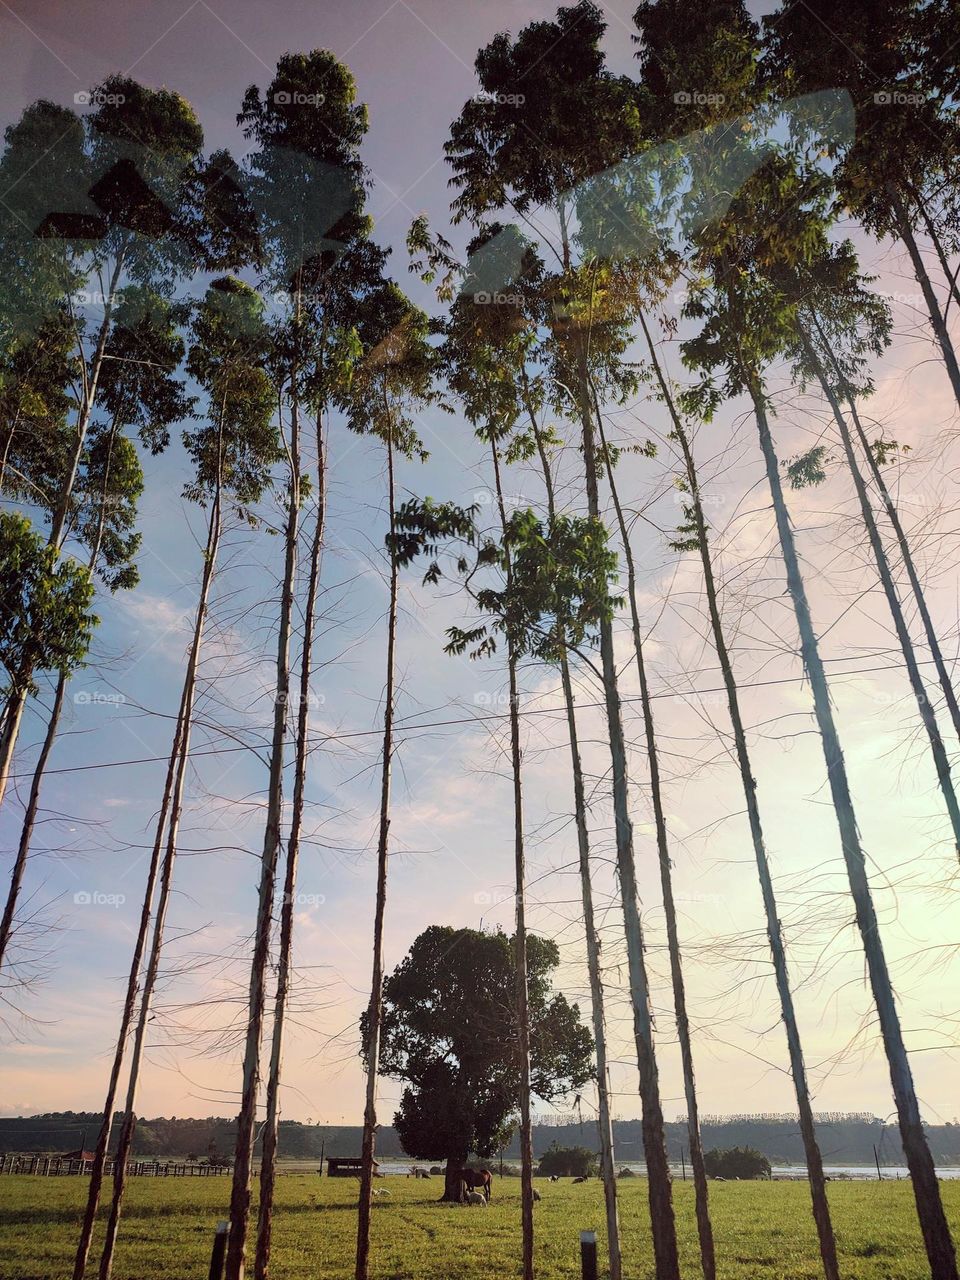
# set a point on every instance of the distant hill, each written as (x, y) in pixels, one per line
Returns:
(844, 1139)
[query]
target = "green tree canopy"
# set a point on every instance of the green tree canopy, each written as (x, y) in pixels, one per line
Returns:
(567, 1162)
(737, 1162)
(45, 623)
(449, 1034)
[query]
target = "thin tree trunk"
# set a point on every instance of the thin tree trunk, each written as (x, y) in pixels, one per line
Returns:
(375, 1008)
(53, 724)
(59, 521)
(663, 1224)
(126, 1019)
(933, 641)
(7, 446)
(16, 699)
(905, 232)
(13, 710)
(608, 1170)
(30, 816)
(924, 705)
(926, 1189)
(246, 1122)
(708, 1261)
(815, 1174)
(268, 1160)
(128, 1127)
(133, 985)
(949, 275)
(520, 941)
(129, 1006)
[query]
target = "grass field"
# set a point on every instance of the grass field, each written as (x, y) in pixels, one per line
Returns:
(763, 1230)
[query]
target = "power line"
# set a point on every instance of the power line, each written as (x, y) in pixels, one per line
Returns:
(467, 720)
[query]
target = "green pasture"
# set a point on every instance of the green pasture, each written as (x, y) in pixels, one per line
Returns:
(763, 1229)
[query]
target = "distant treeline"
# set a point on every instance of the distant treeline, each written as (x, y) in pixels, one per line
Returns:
(844, 1139)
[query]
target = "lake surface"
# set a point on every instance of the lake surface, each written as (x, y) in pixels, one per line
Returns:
(784, 1171)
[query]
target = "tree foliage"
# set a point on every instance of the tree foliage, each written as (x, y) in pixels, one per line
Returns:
(449, 1035)
(737, 1163)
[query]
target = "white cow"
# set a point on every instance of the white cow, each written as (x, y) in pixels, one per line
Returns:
(476, 1197)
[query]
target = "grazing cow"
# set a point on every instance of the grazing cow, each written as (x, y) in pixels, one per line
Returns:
(536, 1194)
(381, 1191)
(576, 1180)
(482, 1178)
(554, 1177)
(476, 1197)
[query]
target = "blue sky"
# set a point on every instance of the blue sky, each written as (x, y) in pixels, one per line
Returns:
(452, 820)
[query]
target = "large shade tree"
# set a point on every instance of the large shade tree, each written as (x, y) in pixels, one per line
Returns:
(448, 1034)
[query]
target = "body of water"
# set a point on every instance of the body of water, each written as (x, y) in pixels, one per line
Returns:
(782, 1171)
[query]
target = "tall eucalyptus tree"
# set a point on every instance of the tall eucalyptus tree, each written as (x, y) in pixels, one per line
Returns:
(233, 449)
(138, 389)
(694, 535)
(306, 184)
(777, 218)
(500, 331)
(550, 119)
(391, 383)
(104, 214)
(840, 323)
(889, 58)
(698, 68)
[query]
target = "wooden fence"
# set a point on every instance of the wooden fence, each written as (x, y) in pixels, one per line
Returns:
(44, 1166)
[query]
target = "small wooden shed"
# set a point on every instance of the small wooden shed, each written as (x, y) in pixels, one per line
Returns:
(347, 1167)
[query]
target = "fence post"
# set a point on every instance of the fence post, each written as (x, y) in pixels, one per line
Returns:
(588, 1255)
(218, 1257)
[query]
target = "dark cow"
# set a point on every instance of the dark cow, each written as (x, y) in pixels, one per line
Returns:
(478, 1179)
